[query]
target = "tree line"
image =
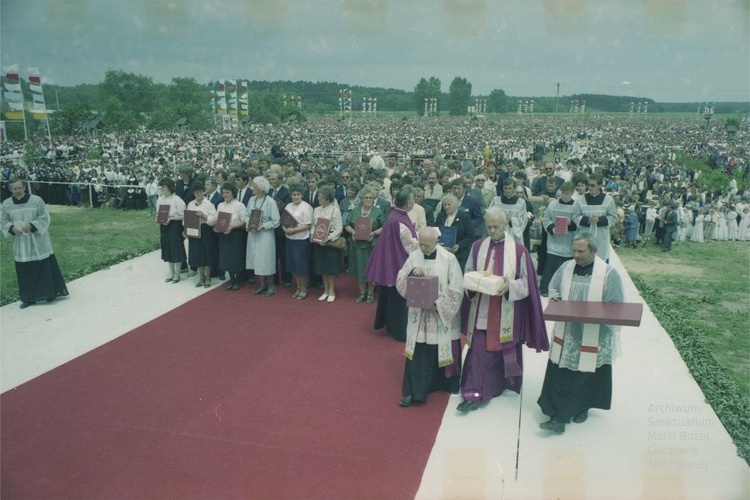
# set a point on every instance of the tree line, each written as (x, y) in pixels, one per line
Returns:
(124, 101)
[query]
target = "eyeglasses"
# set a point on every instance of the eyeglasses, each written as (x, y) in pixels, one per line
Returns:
(345, 177)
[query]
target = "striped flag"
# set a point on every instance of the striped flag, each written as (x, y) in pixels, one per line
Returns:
(37, 94)
(11, 73)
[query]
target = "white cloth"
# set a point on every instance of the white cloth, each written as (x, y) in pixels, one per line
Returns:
(261, 245)
(176, 204)
(560, 244)
(517, 214)
(579, 290)
(303, 214)
(607, 209)
(441, 325)
(31, 246)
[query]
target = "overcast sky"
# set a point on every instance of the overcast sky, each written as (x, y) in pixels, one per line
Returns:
(668, 50)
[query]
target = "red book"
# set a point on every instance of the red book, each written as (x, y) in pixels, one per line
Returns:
(421, 291)
(320, 231)
(598, 313)
(192, 224)
(222, 222)
(162, 216)
(561, 225)
(362, 228)
(287, 220)
(253, 223)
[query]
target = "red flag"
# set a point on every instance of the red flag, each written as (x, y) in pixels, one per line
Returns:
(12, 76)
(35, 79)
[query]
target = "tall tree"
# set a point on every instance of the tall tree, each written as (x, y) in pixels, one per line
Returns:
(460, 96)
(135, 92)
(425, 89)
(497, 102)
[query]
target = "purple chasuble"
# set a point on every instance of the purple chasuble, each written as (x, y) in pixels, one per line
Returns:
(528, 326)
(389, 254)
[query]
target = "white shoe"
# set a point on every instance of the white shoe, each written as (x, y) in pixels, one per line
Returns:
(323, 297)
(331, 298)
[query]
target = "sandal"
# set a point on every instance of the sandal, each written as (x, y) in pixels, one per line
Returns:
(206, 284)
(168, 280)
(295, 295)
(302, 295)
(361, 298)
(176, 280)
(370, 299)
(199, 284)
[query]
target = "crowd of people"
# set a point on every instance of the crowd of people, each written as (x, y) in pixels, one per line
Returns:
(386, 200)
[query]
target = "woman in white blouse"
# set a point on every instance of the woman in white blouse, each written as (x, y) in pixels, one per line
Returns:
(231, 256)
(327, 259)
(172, 248)
(298, 240)
(203, 250)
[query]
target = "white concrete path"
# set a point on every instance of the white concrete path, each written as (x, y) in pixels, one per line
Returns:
(660, 440)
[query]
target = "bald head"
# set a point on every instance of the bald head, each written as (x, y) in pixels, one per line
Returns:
(428, 238)
(496, 222)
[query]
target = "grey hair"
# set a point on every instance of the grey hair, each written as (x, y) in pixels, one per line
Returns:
(452, 198)
(589, 239)
(496, 212)
(262, 183)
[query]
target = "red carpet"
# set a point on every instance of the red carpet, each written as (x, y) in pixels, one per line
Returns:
(227, 396)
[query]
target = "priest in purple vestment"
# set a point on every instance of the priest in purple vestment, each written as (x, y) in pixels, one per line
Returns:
(397, 240)
(502, 317)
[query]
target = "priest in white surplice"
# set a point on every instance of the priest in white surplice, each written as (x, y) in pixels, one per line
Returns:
(433, 349)
(579, 371)
(25, 218)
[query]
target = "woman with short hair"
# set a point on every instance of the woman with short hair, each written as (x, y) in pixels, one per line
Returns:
(170, 231)
(261, 240)
(360, 250)
(231, 257)
(203, 252)
(327, 259)
(298, 240)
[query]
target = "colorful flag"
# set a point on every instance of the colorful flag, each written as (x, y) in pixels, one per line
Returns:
(13, 96)
(12, 72)
(14, 115)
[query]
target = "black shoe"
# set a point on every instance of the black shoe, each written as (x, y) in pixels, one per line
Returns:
(24, 305)
(235, 287)
(581, 417)
(467, 406)
(260, 290)
(406, 402)
(553, 425)
(229, 285)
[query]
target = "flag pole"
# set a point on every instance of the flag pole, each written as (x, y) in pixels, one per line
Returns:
(518, 441)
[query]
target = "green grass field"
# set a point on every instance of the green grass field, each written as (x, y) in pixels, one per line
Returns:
(699, 292)
(85, 241)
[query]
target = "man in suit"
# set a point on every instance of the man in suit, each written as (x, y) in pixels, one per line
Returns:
(212, 192)
(468, 205)
(281, 196)
(547, 185)
(183, 189)
(183, 186)
(213, 195)
(429, 212)
(244, 193)
(340, 192)
(311, 194)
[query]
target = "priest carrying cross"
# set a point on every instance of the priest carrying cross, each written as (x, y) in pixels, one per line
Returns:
(505, 313)
(579, 371)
